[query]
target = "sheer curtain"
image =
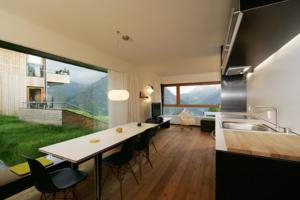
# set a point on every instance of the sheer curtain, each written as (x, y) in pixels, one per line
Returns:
(117, 110)
(122, 112)
(134, 101)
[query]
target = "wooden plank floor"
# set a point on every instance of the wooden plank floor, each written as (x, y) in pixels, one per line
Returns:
(184, 168)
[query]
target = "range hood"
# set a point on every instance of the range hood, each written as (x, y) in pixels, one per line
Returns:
(240, 39)
(238, 70)
(234, 24)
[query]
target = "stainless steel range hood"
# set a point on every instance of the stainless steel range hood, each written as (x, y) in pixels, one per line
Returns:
(234, 25)
(238, 70)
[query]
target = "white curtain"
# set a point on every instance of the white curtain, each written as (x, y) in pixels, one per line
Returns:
(124, 111)
(117, 110)
(134, 101)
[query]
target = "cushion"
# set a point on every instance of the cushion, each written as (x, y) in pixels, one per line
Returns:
(23, 168)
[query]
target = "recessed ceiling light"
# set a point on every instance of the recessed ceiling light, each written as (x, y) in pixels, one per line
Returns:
(124, 37)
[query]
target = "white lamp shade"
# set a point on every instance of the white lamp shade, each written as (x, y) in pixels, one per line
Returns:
(118, 95)
(149, 89)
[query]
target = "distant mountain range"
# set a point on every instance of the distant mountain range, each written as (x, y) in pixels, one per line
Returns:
(202, 95)
(199, 95)
(92, 97)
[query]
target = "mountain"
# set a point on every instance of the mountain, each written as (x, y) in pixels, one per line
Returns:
(91, 97)
(199, 95)
(169, 97)
(61, 92)
(202, 95)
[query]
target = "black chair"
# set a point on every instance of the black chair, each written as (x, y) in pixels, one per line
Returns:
(119, 162)
(153, 121)
(62, 180)
(142, 147)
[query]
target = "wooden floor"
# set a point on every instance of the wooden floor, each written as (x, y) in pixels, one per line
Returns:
(184, 168)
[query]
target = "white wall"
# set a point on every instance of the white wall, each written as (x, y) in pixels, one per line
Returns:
(276, 81)
(145, 105)
(12, 81)
(190, 78)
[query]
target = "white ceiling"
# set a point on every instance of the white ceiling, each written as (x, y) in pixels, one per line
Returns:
(169, 37)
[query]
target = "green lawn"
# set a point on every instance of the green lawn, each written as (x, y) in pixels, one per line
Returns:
(18, 137)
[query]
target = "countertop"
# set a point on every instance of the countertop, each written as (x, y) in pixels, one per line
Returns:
(258, 143)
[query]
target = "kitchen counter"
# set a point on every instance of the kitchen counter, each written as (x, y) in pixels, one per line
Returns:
(257, 143)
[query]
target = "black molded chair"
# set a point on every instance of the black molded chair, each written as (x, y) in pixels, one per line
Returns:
(119, 162)
(142, 147)
(62, 180)
(152, 135)
(153, 121)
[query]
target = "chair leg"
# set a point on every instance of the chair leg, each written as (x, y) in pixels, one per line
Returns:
(135, 157)
(121, 189)
(65, 194)
(120, 177)
(154, 146)
(132, 172)
(148, 157)
(140, 165)
(149, 161)
(76, 194)
(105, 177)
(42, 196)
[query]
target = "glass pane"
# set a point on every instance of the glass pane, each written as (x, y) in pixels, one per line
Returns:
(200, 94)
(170, 95)
(178, 110)
(34, 59)
(64, 102)
(86, 92)
(35, 66)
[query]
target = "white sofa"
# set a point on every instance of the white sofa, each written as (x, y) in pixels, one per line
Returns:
(175, 119)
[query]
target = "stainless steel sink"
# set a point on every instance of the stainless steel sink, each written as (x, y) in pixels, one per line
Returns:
(237, 116)
(246, 126)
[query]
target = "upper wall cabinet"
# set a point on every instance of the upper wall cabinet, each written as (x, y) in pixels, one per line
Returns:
(264, 29)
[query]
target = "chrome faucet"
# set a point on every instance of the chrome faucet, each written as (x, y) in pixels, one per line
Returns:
(251, 108)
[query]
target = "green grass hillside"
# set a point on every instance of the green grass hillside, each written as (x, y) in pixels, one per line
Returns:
(18, 137)
(103, 119)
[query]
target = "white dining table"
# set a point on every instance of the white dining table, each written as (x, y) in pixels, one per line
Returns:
(93, 145)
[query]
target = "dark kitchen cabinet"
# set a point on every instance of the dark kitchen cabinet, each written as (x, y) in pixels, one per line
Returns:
(249, 177)
(263, 31)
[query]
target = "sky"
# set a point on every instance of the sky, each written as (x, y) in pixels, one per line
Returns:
(183, 89)
(187, 89)
(77, 74)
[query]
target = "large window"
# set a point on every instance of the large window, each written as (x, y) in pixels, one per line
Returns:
(195, 98)
(46, 99)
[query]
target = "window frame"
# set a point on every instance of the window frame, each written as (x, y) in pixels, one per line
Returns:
(40, 65)
(178, 104)
(45, 55)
